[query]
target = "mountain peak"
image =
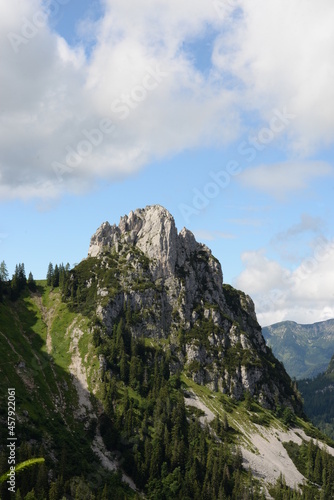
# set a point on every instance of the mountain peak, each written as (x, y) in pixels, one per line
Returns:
(177, 285)
(151, 229)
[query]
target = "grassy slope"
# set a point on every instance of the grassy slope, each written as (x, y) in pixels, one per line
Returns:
(45, 395)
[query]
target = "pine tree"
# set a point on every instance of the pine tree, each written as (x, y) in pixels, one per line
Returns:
(55, 277)
(49, 274)
(225, 422)
(248, 401)
(317, 474)
(22, 275)
(54, 491)
(30, 495)
(104, 495)
(18, 282)
(108, 402)
(3, 272)
(61, 276)
(42, 481)
(15, 285)
(31, 283)
(123, 368)
(237, 458)
(310, 459)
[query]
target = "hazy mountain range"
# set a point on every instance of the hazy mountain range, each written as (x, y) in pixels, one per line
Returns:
(305, 350)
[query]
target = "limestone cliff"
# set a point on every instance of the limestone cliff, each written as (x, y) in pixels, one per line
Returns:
(173, 287)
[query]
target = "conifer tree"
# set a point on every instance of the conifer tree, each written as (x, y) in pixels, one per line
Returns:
(30, 495)
(61, 276)
(54, 492)
(105, 493)
(3, 272)
(123, 368)
(55, 277)
(317, 474)
(31, 283)
(3, 277)
(42, 481)
(49, 274)
(17, 282)
(22, 276)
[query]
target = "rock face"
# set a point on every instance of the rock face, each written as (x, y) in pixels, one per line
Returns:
(153, 231)
(173, 287)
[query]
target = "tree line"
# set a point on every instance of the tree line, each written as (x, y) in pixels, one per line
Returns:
(19, 282)
(56, 276)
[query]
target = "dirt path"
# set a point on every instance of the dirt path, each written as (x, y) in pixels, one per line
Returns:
(47, 317)
(85, 407)
(79, 376)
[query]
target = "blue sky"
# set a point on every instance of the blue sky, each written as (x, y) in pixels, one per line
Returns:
(224, 115)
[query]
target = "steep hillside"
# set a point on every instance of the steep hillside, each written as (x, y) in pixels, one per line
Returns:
(305, 350)
(143, 362)
(318, 394)
(43, 347)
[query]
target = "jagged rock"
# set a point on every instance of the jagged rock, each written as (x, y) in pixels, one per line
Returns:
(174, 287)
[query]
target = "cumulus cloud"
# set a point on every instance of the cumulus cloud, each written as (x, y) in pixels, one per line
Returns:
(305, 295)
(68, 118)
(280, 53)
(281, 179)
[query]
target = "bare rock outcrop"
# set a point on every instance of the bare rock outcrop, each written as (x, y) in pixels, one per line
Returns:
(173, 286)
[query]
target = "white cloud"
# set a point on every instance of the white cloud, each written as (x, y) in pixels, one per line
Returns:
(266, 55)
(305, 295)
(280, 179)
(281, 52)
(137, 98)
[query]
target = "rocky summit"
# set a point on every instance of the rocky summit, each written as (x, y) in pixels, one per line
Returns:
(175, 287)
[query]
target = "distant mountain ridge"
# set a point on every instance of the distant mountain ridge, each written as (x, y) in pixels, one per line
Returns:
(305, 350)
